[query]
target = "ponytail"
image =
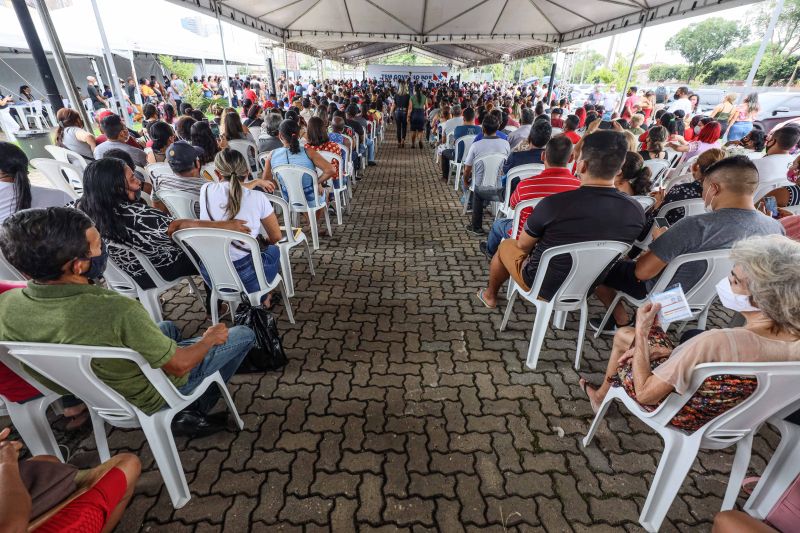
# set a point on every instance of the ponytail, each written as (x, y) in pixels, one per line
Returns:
(290, 131)
(233, 167)
(234, 196)
(641, 182)
(22, 189)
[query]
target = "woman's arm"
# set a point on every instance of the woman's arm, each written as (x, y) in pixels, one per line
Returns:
(15, 502)
(86, 137)
(649, 389)
(186, 223)
(715, 111)
(273, 228)
(323, 164)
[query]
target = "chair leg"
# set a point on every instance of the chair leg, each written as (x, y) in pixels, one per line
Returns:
(193, 289)
(30, 420)
(214, 307)
(287, 303)
(99, 428)
(703, 318)
(738, 470)
(310, 258)
(559, 319)
(158, 432)
(510, 305)
(286, 270)
(540, 325)
(676, 461)
(781, 471)
(312, 221)
(338, 199)
(601, 413)
(226, 395)
(581, 333)
(152, 303)
(328, 223)
(607, 315)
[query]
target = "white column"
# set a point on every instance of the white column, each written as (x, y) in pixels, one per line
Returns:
(116, 90)
(773, 20)
(622, 95)
(224, 57)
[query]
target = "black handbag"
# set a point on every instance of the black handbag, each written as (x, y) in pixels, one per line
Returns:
(267, 353)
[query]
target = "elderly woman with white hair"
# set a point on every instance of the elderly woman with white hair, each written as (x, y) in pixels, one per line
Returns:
(764, 286)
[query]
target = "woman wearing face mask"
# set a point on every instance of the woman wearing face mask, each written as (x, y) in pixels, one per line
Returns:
(764, 286)
(111, 198)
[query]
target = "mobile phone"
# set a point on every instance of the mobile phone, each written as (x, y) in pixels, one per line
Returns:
(771, 205)
(661, 222)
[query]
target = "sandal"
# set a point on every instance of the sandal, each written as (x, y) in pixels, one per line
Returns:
(479, 294)
(584, 385)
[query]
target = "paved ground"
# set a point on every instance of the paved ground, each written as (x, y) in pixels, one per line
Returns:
(403, 407)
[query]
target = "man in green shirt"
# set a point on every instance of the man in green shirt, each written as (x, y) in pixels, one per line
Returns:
(61, 251)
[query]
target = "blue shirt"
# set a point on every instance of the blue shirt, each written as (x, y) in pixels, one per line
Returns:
(282, 156)
(465, 129)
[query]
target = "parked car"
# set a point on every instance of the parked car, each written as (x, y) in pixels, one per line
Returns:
(776, 107)
(709, 98)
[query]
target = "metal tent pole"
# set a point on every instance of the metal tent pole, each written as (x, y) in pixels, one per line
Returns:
(286, 61)
(116, 90)
(551, 84)
(61, 62)
(224, 56)
(622, 96)
(203, 64)
(773, 20)
(39, 56)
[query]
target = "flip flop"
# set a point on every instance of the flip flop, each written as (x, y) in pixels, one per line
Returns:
(479, 294)
(584, 384)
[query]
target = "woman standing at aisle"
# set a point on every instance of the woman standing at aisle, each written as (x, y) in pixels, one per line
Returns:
(400, 112)
(416, 115)
(741, 122)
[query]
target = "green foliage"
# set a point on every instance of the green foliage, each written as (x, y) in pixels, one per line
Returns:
(786, 37)
(586, 63)
(705, 42)
(184, 70)
(723, 70)
(406, 58)
(601, 75)
(538, 66)
(193, 95)
(662, 71)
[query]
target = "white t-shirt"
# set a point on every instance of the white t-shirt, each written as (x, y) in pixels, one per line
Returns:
(40, 197)
(451, 125)
(255, 207)
(611, 101)
(484, 147)
(681, 103)
(773, 167)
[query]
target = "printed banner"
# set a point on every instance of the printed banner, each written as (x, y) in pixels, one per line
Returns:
(394, 73)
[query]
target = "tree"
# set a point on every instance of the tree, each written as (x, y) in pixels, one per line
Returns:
(704, 42)
(660, 71)
(722, 70)
(184, 70)
(787, 32)
(587, 62)
(601, 75)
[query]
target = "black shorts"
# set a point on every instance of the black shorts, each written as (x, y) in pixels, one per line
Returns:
(622, 277)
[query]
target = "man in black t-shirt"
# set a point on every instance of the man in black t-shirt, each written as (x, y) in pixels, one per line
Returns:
(95, 94)
(595, 211)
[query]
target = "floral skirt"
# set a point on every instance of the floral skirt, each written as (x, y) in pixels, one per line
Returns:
(716, 395)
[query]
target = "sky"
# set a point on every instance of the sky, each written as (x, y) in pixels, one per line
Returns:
(655, 38)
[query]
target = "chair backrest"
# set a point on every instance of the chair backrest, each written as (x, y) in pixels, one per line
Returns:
(8, 272)
(462, 147)
(777, 392)
(522, 172)
(213, 248)
(263, 157)
(518, 209)
(488, 167)
(119, 281)
(658, 168)
(255, 131)
(181, 204)
(330, 157)
(285, 216)
(62, 176)
(510, 128)
(589, 260)
(718, 266)
(70, 367)
(66, 156)
(8, 124)
(345, 157)
(645, 201)
(672, 156)
(148, 267)
(156, 169)
(247, 148)
(210, 170)
(291, 177)
(767, 186)
(14, 365)
(691, 207)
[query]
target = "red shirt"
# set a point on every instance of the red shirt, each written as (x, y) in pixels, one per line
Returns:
(572, 136)
(250, 94)
(548, 182)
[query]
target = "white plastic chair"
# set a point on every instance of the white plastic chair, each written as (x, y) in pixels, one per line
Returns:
(213, 248)
(255, 131)
(519, 171)
(8, 124)
(180, 204)
(89, 107)
(699, 297)
(691, 207)
(153, 170)
(208, 172)
(67, 156)
(457, 165)
(339, 193)
(589, 260)
(492, 166)
(768, 186)
(777, 388)
(658, 169)
(781, 471)
(349, 172)
(30, 417)
(149, 298)
(8, 272)
(645, 201)
(70, 367)
(248, 149)
(62, 176)
(292, 237)
(291, 177)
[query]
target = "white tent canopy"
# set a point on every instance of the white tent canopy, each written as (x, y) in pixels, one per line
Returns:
(463, 32)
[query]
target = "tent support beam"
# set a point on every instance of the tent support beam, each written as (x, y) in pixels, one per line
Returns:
(773, 20)
(224, 56)
(116, 90)
(633, 60)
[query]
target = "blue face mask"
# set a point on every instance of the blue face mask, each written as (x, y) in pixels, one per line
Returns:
(97, 264)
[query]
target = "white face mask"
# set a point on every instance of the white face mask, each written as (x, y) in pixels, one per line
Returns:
(708, 206)
(731, 300)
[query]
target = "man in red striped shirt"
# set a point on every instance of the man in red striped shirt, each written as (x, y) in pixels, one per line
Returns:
(555, 178)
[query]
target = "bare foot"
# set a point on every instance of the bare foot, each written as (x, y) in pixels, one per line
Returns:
(591, 392)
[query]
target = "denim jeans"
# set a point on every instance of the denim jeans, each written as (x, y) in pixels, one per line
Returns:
(739, 130)
(270, 258)
(226, 358)
(370, 149)
(499, 231)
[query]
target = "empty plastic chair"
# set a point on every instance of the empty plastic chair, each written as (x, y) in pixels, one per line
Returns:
(522, 172)
(292, 237)
(249, 150)
(62, 176)
(181, 204)
(67, 156)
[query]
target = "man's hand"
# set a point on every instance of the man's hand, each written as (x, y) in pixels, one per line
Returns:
(237, 225)
(268, 185)
(657, 232)
(783, 213)
(216, 334)
(9, 450)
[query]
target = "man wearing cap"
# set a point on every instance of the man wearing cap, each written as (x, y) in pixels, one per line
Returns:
(185, 175)
(95, 94)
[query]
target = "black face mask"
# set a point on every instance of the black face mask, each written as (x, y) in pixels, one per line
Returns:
(97, 264)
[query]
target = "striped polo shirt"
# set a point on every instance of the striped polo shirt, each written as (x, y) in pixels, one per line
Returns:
(548, 182)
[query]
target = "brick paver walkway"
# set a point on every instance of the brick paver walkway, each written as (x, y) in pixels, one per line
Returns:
(404, 408)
